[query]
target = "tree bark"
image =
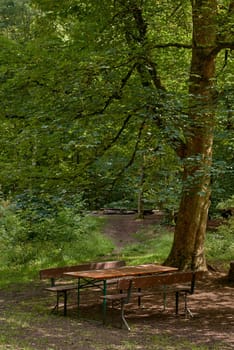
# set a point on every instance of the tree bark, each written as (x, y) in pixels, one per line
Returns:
(188, 247)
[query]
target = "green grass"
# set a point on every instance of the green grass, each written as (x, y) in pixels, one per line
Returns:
(161, 342)
(153, 245)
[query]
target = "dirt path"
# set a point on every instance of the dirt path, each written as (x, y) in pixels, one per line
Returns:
(121, 228)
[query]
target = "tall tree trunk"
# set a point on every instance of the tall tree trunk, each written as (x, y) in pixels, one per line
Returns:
(140, 201)
(188, 246)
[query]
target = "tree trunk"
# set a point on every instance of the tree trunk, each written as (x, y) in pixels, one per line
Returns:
(188, 246)
(140, 200)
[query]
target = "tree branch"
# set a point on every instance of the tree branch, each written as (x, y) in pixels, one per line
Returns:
(114, 96)
(177, 45)
(118, 133)
(221, 46)
(131, 160)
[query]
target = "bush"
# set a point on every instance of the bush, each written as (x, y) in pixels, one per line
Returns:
(220, 244)
(58, 234)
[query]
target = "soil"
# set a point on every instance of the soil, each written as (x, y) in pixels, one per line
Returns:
(25, 313)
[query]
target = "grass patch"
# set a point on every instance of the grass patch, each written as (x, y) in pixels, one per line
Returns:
(154, 246)
(166, 342)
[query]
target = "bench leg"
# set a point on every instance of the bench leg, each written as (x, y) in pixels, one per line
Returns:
(56, 307)
(177, 302)
(65, 303)
(164, 297)
(78, 297)
(139, 298)
(186, 309)
(164, 302)
(123, 319)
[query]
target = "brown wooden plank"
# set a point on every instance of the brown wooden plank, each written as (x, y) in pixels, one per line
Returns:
(156, 280)
(146, 269)
(58, 272)
(61, 288)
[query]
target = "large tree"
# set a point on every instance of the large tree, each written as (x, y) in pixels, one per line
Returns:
(188, 247)
(189, 238)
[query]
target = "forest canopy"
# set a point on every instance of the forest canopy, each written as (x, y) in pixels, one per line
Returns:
(128, 103)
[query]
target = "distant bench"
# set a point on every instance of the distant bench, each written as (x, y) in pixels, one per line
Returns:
(130, 287)
(57, 273)
(122, 211)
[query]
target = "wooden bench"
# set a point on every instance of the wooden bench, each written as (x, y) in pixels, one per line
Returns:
(56, 274)
(130, 287)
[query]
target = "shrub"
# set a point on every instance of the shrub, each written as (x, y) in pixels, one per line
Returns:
(220, 244)
(59, 233)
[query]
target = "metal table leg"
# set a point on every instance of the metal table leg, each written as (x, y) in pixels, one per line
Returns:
(78, 298)
(104, 302)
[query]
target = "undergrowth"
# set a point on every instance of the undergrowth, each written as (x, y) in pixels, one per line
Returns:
(154, 244)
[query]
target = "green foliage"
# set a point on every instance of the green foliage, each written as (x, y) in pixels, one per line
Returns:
(228, 203)
(77, 111)
(95, 100)
(15, 18)
(56, 234)
(54, 124)
(220, 244)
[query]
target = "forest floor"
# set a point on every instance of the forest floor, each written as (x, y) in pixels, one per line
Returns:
(27, 323)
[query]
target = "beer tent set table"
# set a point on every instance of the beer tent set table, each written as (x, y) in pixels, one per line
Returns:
(94, 278)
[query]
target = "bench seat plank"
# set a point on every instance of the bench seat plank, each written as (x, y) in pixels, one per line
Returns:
(61, 288)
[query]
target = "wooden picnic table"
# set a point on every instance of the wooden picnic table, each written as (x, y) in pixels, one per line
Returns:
(93, 278)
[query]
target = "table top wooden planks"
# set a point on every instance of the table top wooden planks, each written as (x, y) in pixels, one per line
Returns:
(121, 272)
